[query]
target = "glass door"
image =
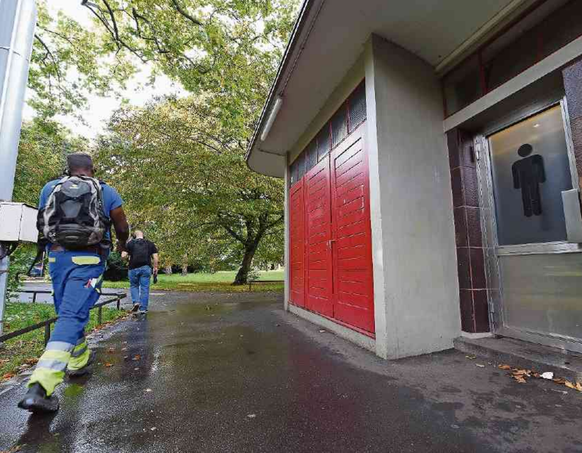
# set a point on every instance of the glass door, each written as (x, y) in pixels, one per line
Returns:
(539, 273)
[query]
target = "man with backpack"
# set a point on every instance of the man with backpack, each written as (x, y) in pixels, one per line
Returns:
(141, 251)
(74, 221)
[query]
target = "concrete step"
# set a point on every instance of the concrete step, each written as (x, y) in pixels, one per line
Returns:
(521, 354)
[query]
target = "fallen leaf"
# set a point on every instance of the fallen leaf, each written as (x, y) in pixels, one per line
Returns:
(8, 376)
(137, 357)
(471, 357)
(111, 350)
(153, 428)
(579, 386)
(480, 365)
(32, 361)
(148, 390)
(108, 365)
(124, 349)
(547, 375)
(520, 379)
(569, 385)
(560, 381)
(251, 415)
(504, 367)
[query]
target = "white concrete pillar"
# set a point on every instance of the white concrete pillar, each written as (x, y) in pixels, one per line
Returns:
(413, 239)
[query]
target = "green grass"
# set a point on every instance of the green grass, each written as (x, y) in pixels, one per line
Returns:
(217, 282)
(26, 348)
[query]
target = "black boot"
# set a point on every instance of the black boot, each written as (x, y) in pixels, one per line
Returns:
(36, 400)
(86, 369)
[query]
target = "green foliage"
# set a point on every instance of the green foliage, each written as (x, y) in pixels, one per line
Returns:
(68, 62)
(178, 163)
(183, 176)
(116, 268)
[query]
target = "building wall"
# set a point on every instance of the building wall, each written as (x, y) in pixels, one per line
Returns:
(415, 267)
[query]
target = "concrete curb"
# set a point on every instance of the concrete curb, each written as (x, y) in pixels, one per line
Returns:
(521, 354)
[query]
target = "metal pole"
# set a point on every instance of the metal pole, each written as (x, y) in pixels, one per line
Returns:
(47, 333)
(17, 23)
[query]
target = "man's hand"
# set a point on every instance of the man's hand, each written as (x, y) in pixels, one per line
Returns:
(124, 255)
(155, 271)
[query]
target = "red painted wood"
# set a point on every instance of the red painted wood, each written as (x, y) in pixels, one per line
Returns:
(319, 264)
(352, 235)
(297, 244)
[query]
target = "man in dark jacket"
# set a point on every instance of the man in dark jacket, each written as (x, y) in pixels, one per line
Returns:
(141, 251)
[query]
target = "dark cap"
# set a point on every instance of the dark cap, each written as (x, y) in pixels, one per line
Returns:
(79, 161)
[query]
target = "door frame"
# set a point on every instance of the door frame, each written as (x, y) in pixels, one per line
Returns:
(489, 231)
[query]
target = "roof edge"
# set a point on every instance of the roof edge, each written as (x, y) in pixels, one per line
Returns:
(293, 41)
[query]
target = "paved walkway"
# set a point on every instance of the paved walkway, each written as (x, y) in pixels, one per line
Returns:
(234, 373)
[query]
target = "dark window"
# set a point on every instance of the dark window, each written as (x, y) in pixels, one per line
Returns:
(311, 155)
(349, 116)
(462, 85)
(357, 106)
(339, 126)
(294, 173)
(546, 29)
(323, 142)
(300, 166)
(561, 28)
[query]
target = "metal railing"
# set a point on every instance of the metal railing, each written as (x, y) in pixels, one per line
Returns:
(47, 324)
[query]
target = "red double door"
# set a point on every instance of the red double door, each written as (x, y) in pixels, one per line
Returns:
(330, 237)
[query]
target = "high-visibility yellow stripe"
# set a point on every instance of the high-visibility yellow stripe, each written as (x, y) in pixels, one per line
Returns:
(86, 260)
(49, 379)
(76, 363)
(56, 355)
(52, 259)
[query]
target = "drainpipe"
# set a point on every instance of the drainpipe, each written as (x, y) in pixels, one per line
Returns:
(17, 24)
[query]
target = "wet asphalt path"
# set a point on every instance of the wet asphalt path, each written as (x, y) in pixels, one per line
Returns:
(234, 373)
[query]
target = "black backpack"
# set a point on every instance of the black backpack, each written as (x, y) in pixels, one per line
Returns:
(73, 216)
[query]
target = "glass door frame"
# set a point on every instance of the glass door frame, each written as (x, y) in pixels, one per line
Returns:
(490, 239)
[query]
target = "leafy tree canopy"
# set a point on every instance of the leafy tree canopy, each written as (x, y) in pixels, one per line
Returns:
(183, 175)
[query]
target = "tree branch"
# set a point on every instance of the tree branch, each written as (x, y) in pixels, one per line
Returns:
(184, 13)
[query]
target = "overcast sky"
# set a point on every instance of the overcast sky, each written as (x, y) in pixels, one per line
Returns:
(99, 109)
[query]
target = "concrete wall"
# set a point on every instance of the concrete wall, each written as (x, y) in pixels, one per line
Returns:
(415, 267)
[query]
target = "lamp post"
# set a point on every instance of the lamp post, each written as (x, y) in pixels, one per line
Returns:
(17, 24)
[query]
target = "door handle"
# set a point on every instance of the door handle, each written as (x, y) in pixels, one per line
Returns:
(572, 215)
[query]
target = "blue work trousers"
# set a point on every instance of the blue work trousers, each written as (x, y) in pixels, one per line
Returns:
(76, 278)
(139, 281)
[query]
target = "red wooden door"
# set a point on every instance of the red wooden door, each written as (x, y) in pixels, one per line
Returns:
(352, 245)
(319, 296)
(297, 244)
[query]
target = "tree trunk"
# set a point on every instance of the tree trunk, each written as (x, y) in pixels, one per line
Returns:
(168, 270)
(185, 266)
(242, 276)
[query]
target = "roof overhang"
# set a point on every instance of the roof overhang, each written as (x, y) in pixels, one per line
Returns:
(329, 37)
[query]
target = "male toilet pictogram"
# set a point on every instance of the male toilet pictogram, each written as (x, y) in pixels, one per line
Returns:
(528, 174)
